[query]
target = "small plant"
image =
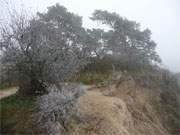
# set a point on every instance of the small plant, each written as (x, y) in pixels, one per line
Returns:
(57, 107)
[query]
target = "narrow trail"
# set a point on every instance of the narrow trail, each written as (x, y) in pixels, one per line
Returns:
(8, 92)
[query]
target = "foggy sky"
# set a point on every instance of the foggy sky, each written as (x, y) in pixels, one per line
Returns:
(162, 17)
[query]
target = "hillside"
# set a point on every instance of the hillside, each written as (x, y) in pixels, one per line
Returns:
(123, 106)
(125, 109)
(59, 77)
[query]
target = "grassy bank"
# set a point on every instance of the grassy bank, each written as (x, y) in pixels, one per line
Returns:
(16, 115)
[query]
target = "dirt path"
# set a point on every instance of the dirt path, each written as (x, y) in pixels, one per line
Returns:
(7, 92)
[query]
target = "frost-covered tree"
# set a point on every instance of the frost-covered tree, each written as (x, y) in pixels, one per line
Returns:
(46, 49)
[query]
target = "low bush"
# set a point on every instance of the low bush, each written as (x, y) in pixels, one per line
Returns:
(57, 108)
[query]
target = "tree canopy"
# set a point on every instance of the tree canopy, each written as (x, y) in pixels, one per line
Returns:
(51, 47)
(127, 40)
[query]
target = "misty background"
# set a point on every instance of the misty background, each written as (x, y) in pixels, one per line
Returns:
(162, 17)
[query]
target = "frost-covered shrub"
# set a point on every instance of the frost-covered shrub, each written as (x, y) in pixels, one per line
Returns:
(58, 106)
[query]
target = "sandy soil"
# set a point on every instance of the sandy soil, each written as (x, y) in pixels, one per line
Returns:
(125, 110)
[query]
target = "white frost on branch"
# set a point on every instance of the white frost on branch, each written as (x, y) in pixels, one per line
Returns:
(58, 106)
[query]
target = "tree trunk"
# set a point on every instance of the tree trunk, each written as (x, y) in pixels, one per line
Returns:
(30, 85)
